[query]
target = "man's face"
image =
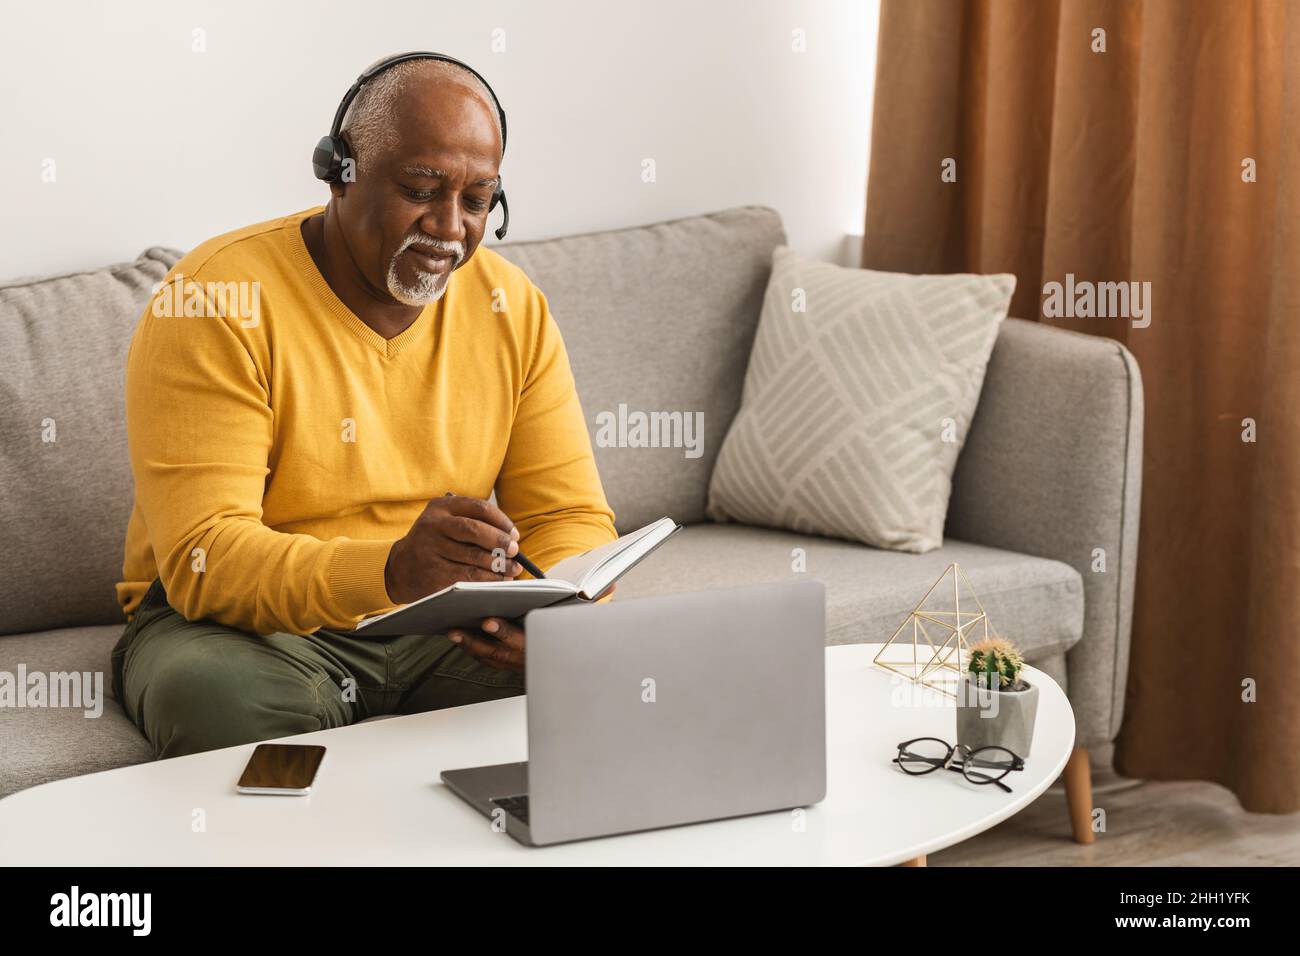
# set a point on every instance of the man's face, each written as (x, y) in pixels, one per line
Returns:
(418, 208)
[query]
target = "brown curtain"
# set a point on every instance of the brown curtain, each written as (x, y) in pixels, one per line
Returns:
(1127, 165)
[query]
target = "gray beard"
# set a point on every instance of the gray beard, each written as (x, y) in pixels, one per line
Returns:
(428, 286)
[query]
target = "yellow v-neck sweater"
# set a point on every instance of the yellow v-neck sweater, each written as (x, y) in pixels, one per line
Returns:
(280, 445)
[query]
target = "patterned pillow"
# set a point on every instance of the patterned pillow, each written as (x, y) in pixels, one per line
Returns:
(856, 402)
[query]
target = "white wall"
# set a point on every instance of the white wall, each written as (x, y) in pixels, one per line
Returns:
(156, 144)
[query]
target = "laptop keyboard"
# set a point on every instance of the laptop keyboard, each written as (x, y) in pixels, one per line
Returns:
(516, 806)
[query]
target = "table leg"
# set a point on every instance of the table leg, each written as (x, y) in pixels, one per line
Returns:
(1078, 794)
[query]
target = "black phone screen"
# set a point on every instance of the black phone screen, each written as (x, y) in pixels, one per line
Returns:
(282, 766)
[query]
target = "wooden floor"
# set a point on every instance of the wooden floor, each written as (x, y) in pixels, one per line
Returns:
(1147, 823)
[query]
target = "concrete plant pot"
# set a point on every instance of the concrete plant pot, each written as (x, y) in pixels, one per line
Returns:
(996, 718)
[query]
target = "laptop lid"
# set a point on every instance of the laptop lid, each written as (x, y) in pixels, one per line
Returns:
(674, 709)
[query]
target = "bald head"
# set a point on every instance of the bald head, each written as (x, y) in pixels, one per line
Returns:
(374, 116)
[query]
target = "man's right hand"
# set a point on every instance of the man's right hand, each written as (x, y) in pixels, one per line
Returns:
(454, 539)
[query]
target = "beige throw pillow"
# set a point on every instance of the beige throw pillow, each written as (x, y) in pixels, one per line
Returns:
(858, 395)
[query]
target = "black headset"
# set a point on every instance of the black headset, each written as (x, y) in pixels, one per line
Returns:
(332, 151)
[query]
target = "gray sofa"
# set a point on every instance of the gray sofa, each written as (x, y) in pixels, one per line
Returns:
(659, 317)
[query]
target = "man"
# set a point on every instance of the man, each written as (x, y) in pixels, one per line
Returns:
(324, 450)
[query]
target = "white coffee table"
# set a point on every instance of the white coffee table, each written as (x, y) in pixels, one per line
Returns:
(378, 799)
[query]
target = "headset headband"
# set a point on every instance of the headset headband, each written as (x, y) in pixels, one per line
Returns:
(391, 62)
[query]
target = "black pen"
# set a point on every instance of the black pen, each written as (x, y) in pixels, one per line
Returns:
(531, 568)
(528, 566)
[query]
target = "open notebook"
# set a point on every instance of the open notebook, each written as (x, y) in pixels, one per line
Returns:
(582, 577)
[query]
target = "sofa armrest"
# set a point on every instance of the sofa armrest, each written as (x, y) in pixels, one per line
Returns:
(1052, 467)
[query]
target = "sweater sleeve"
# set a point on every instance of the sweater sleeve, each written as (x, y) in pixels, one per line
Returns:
(548, 483)
(199, 431)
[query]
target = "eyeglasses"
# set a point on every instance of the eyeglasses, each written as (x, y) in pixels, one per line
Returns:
(982, 765)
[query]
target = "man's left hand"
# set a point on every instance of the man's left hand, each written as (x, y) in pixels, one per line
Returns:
(497, 643)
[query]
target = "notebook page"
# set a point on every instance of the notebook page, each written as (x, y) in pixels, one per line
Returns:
(606, 564)
(577, 568)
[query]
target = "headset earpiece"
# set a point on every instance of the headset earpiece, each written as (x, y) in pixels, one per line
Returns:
(327, 159)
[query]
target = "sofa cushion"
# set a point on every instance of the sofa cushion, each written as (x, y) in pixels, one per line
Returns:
(856, 402)
(65, 478)
(40, 744)
(1033, 601)
(658, 318)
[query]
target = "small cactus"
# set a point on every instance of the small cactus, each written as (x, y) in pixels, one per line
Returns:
(996, 655)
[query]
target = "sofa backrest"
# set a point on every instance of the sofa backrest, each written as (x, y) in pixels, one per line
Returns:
(65, 478)
(656, 318)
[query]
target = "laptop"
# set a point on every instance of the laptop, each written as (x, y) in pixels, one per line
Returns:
(666, 710)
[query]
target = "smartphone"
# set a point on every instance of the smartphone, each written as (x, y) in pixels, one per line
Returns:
(287, 769)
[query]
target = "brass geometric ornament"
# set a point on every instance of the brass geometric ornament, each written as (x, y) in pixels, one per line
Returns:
(930, 646)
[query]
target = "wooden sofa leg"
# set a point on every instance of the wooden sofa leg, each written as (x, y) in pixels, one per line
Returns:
(1078, 794)
(914, 861)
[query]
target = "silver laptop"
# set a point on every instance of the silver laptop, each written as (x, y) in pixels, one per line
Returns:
(666, 710)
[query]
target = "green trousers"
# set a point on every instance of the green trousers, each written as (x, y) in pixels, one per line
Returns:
(192, 686)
